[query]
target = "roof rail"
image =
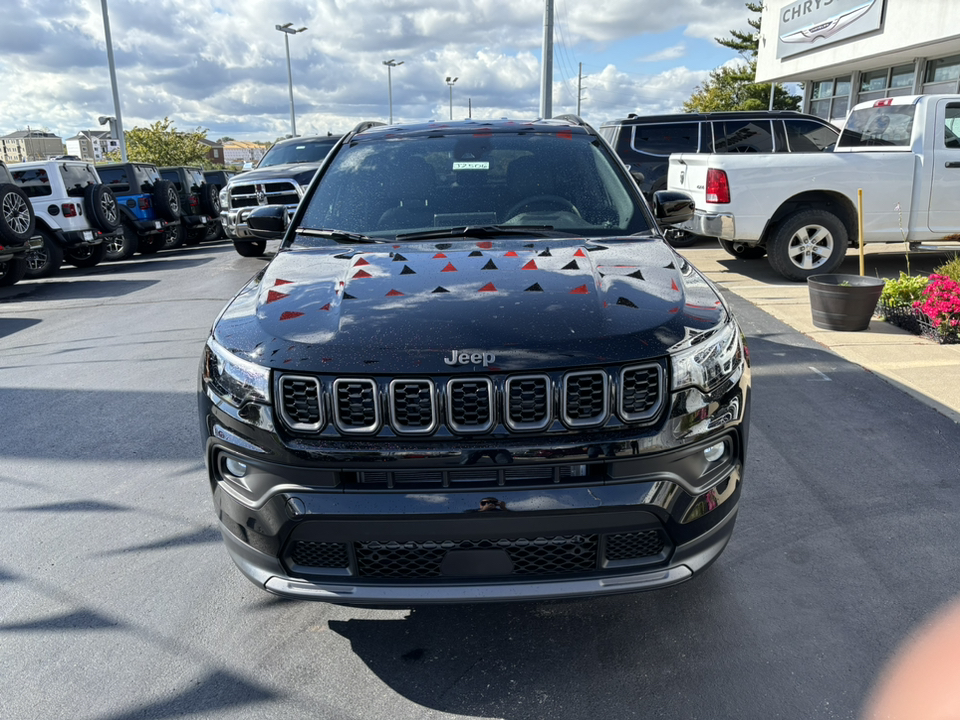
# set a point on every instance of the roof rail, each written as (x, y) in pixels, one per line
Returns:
(365, 125)
(571, 118)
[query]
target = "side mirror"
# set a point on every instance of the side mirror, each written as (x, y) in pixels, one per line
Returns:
(268, 223)
(672, 208)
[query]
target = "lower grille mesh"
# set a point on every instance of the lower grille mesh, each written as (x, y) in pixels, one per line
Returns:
(627, 546)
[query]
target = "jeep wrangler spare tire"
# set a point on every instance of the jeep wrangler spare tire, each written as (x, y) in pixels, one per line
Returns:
(166, 200)
(101, 205)
(17, 222)
(210, 200)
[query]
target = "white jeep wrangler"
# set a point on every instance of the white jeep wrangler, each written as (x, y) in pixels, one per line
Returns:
(76, 213)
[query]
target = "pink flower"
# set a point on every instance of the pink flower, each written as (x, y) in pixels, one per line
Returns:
(941, 302)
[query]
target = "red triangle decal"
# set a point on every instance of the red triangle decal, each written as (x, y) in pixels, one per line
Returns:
(439, 255)
(582, 290)
(673, 286)
(283, 282)
(449, 268)
(580, 253)
(532, 265)
(674, 310)
(290, 315)
(326, 307)
(273, 296)
(486, 244)
(361, 274)
(360, 261)
(510, 254)
(394, 293)
(489, 287)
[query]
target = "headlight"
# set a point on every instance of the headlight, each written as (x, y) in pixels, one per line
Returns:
(224, 194)
(704, 360)
(235, 380)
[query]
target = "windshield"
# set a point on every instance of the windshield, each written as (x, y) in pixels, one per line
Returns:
(887, 125)
(303, 151)
(557, 182)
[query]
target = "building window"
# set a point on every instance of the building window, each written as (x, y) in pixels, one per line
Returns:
(942, 75)
(888, 82)
(830, 99)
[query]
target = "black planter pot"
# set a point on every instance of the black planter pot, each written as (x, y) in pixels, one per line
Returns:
(843, 302)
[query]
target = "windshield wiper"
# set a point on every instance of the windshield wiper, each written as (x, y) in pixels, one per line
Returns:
(339, 235)
(484, 231)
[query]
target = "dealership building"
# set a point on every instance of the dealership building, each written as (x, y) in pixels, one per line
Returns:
(851, 51)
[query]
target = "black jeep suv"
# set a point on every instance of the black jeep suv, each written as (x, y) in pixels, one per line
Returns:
(474, 371)
(17, 227)
(199, 205)
(149, 208)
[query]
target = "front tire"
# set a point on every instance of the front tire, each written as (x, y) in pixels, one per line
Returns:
(87, 256)
(743, 251)
(123, 246)
(251, 248)
(808, 242)
(45, 261)
(12, 271)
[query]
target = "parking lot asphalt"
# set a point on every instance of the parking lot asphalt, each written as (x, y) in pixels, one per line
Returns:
(919, 366)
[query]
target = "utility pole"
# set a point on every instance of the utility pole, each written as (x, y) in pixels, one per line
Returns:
(546, 63)
(579, 86)
(113, 81)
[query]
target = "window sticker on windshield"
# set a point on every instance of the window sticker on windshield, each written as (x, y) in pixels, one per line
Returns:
(472, 165)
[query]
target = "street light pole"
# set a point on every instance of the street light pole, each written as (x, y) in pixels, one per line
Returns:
(287, 31)
(113, 81)
(450, 82)
(391, 64)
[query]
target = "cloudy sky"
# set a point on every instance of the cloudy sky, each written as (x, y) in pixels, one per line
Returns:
(221, 64)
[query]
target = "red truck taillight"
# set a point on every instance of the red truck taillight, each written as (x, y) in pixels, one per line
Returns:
(69, 210)
(718, 189)
(144, 203)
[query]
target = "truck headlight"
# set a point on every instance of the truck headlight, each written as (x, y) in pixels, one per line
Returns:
(224, 195)
(235, 380)
(706, 359)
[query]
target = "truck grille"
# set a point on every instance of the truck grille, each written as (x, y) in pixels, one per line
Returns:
(281, 192)
(414, 559)
(472, 405)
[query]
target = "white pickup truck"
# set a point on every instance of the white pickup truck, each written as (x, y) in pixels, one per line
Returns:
(800, 209)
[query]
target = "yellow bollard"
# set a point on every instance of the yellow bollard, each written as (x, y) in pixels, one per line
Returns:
(860, 225)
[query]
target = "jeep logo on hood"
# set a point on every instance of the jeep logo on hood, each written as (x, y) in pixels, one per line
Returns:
(462, 357)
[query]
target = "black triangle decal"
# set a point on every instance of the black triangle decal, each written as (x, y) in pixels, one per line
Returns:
(490, 266)
(624, 301)
(441, 290)
(671, 266)
(443, 246)
(637, 274)
(530, 245)
(572, 265)
(407, 270)
(546, 253)
(534, 288)
(595, 248)
(346, 256)
(399, 258)
(348, 296)
(475, 253)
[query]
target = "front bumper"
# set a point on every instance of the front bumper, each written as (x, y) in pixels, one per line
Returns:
(235, 222)
(307, 523)
(711, 224)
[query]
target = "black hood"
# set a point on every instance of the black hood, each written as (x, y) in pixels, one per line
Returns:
(301, 172)
(395, 309)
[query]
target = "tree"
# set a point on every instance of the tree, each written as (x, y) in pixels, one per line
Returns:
(162, 144)
(734, 88)
(225, 139)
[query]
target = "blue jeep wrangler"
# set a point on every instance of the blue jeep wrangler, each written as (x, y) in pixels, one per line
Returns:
(149, 208)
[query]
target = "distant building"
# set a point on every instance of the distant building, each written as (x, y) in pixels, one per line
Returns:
(26, 145)
(237, 153)
(92, 145)
(214, 152)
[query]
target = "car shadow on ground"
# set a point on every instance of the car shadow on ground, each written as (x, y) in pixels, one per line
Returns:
(82, 289)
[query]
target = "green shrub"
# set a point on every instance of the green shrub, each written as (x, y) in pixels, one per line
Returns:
(905, 290)
(950, 269)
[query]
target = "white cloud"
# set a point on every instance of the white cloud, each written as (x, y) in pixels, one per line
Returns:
(670, 53)
(221, 65)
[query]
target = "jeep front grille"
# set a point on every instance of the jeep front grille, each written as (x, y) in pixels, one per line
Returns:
(278, 192)
(519, 403)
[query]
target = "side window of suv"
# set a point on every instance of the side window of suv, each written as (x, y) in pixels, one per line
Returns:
(116, 178)
(742, 136)
(174, 177)
(666, 138)
(34, 183)
(809, 136)
(146, 176)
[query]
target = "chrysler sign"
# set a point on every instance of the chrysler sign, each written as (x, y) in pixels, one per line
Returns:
(810, 24)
